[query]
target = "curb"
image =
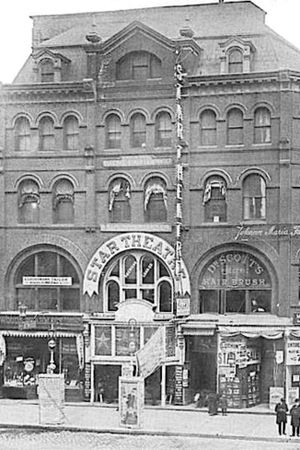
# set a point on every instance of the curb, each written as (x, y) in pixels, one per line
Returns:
(140, 432)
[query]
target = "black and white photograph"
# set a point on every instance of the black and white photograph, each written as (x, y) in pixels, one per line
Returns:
(150, 225)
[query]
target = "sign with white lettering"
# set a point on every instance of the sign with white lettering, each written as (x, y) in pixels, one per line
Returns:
(130, 241)
(47, 281)
(262, 232)
(235, 269)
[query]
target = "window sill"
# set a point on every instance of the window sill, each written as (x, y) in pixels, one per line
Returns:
(254, 222)
(214, 224)
(141, 227)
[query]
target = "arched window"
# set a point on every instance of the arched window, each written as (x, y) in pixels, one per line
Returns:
(155, 200)
(138, 130)
(46, 133)
(235, 282)
(22, 134)
(214, 200)
(113, 131)
(47, 71)
(262, 126)
(71, 133)
(63, 202)
(235, 61)
(208, 128)
(28, 202)
(235, 127)
(138, 66)
(254, 197)
(119, 201)
(53, 296)
(138, 275)
(163, 130)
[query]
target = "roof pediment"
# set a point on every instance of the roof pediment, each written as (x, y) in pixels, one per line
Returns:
(237, 41)
(46, 53)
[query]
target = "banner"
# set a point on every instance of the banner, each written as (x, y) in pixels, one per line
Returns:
(150, 357)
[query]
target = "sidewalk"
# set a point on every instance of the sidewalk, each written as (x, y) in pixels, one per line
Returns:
(254, 425)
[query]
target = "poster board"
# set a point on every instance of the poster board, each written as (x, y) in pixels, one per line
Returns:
(292, 394)
(51, 391)
(131, 401)
(276, 394)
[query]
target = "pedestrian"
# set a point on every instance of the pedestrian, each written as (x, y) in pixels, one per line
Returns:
(212, 403)
(281, 410)
(223, 404)
(295, 418)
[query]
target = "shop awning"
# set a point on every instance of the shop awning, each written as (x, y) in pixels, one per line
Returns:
(37, 334)
(252, 332)
(198, 329)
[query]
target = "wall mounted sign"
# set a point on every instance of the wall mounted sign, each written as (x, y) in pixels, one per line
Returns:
(47, 281)
(293, 353)
(133, 241)
(262, 232)
(235, 269)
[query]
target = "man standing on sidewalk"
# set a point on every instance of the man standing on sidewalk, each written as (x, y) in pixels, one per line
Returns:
(295, 418)
(281, 410)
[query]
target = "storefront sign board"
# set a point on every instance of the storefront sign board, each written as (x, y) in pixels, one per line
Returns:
(47, 281)
(40, 322)
(178, 385)
(133, 241)
(183, 306)
(131, 401)
(51, 391)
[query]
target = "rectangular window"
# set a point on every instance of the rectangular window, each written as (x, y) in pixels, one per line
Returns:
(235, 301)
(210, 301)
(103, 341)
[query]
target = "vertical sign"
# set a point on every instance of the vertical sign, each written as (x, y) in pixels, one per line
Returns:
(178, 385)
(179, 78)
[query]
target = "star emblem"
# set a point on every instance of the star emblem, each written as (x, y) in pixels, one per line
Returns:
(102, 341)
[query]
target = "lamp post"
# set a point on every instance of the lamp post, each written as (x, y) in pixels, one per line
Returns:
(132, 344)
(51, 345)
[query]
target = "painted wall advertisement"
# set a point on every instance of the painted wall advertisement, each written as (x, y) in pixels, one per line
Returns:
(131, 401)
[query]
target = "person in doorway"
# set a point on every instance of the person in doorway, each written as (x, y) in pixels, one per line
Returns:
(295, 418)
(281, 410)
(212, 403)
(100, 391)
(223, 404)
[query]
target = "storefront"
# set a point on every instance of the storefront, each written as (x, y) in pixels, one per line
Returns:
(25, 353)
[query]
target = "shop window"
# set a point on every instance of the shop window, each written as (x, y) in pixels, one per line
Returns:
(163, 130)
(235, 61)
(208, 128)
(63, 202)
(138, 66)
(47, 71)
(137, 130)
(235, 127)
(138, 275)
(260, 301)
(235, 282)
(214, 200)
(254, 197)
(22, 134)
(46, 134)
(119, 201)
(262, 126)
(103, 340)
(155, 201)
(113, 131)
(37, 294)
(71, 133)
(28, 202)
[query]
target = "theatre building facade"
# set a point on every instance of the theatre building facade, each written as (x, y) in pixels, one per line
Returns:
(149, 220)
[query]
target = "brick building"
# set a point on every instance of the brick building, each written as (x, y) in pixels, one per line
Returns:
(108, 165)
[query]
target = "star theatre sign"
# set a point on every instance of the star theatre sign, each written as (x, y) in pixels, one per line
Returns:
(235, 269)
(133, 241)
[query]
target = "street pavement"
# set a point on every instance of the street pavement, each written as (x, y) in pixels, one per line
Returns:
(256, 424)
